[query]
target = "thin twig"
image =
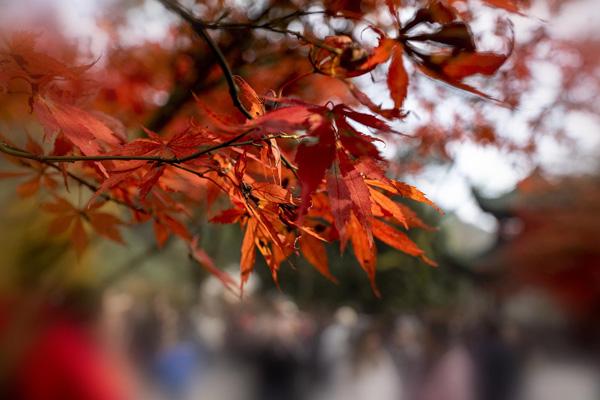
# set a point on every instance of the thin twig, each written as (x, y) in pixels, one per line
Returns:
(251, 25)
(270, 26)
(173, 161)
(298, 35)
(93, 188)
(7, 149)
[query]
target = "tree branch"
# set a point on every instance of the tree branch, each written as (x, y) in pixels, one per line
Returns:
(7, 149)
(198, 27)
(174, 161)
(271, 26)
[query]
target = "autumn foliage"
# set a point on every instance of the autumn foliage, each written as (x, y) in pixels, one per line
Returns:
(295, 167)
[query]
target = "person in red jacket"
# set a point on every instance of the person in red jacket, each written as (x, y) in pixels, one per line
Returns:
(51, 354)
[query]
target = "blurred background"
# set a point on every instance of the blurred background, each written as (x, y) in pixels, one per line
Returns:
(510, 313)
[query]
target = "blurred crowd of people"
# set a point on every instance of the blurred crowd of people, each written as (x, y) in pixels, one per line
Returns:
(266, 348)
(217, 347)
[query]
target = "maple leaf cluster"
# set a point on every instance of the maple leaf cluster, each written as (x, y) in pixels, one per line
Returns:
(293, 173)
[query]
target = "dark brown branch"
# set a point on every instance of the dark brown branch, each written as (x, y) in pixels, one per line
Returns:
(174, 162)
(181, 94)
(198, 27)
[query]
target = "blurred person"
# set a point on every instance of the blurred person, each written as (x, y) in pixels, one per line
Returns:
(208, 316)
(280, 353)
(52, 353)
(175, 369)
(496, 362)
(334, 342)
(557, 378)
(408, 353)
(369, 372)
(177, 361)
(450, 371)
(144, 329)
